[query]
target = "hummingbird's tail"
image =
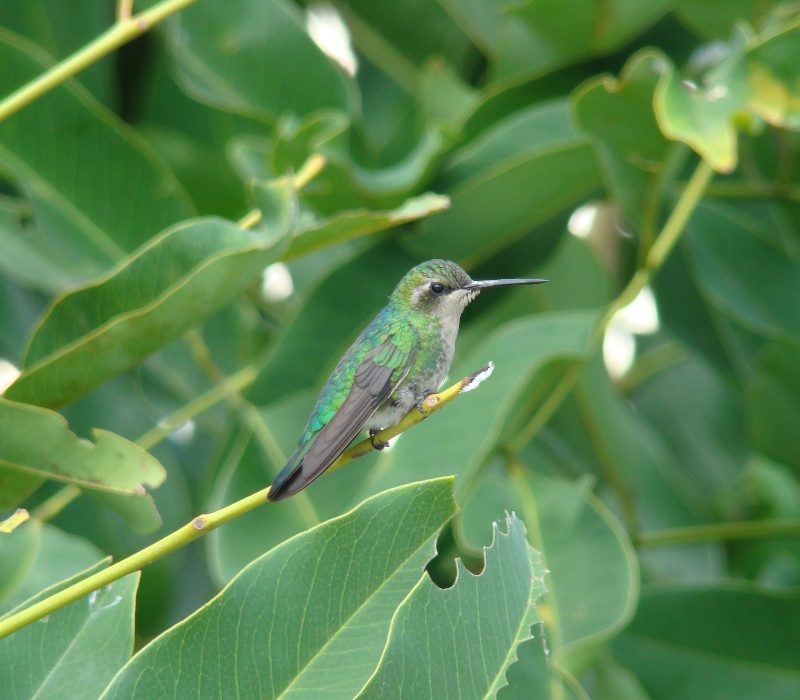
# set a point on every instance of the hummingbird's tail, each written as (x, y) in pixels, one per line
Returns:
(290, 479)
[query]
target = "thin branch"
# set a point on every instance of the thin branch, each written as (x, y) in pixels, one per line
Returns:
(119, 34)
(658, 253)
(719, 531)
(203, 524)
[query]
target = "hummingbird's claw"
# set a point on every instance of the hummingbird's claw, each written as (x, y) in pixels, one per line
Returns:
(377, 445)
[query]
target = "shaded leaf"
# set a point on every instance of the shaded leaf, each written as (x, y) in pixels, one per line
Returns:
(173, 283)
(354, 224)
(593, 580)
(75, 651)
(692, 642)
(255, 59)
(513, 177)
(743, 271)
(37, 442)
(49, 556)
(298, 609)
(124, 193)
(459, 642)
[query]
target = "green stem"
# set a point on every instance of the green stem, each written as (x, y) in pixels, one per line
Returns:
(719, 531)
(189, 532)
(120, 33)
(206, 523)
(658, 253)
(49, 509)
(228, 388)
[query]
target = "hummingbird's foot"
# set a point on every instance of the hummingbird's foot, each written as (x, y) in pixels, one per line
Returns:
(377, 445)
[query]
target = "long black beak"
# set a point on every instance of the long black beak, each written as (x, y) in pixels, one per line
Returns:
(483, 284)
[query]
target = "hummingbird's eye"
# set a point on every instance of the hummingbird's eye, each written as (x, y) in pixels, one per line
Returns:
(437, 288)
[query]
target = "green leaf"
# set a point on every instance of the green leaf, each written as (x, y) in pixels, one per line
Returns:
(525, 39)
(593, 582)
(354, 224)
(772, 404)
(619, 115)
(744, 271)
(459, 439)
(37, 442)
(122, 195)
(74, 652)
(460, 642)
(256, 60)
(38, 556)
(513, 177)
(298, 610)
(709, 640)
(758, 78)
(714, 19)
(179, 279)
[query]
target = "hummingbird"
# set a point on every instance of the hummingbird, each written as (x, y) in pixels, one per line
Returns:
(401, 357)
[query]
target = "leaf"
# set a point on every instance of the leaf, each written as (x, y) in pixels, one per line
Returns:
(593, 582)
(513, 177)
(459, 642)
(465, 434)
(772, 404)
(757, 78)
(177, 280)
(75, 651)
(619, 115)
(714, 19)
(354, 224)
(48, 556)
(124, 193)
(708, 640)
(256, 59)
(296, 612)
(525, 39)
(743, 271)
(37, 442)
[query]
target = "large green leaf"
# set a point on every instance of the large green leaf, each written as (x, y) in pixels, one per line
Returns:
(176, 281)
(744, 271)
(709, 641)
(296, 612)
(37, 442)
(354, 224)
(619, 115)
(524, 39)
(772, 408)
(459, 642)
(256, 59)
(758, 77)
(593, 579)
(96, 190)
(513, 177)
(37, 556)
(75, 651)
(459, 439)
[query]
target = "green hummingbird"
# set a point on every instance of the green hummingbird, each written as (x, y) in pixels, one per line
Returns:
(401, 357)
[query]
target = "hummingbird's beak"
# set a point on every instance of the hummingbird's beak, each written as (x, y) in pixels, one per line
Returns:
(483, 284)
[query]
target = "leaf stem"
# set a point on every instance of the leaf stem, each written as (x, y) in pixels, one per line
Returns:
(748, 529)
(228, 388)
(658, 253)
(120, 33)
(203, 524)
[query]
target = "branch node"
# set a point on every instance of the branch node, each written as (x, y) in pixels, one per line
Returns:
(199, 523)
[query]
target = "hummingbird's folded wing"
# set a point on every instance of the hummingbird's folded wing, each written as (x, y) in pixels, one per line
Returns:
(378, 375)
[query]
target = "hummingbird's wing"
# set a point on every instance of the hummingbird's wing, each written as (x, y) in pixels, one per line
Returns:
(378, 375)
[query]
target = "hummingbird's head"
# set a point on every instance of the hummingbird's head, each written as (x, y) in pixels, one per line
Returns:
(442, 288)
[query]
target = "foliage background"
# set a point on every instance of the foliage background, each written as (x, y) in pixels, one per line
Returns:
(679, 473)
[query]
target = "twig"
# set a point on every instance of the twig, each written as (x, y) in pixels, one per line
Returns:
(203, 524)
(120, 33)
